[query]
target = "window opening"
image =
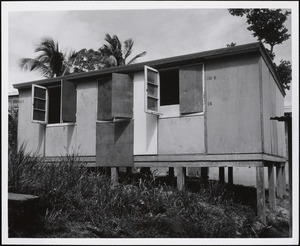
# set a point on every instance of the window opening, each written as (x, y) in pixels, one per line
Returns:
(169, 87)
(54, 104)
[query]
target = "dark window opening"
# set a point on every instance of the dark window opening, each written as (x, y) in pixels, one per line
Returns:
(169, 87)
(54, 95)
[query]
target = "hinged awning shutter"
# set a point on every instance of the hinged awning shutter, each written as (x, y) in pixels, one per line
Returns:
(152, 97)
(114, 144)
(68, 99)
(191, 89)
(39, 104)
(122, 96)
(104, 99)
(115, 97)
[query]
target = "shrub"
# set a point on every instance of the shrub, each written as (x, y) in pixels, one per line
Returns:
(12, 130)
(70, 193)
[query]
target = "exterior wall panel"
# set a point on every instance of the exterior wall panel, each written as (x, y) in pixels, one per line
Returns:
(183, 135)
(145, 125)
(233, 105)
(273, 105)
(280, 124)
(60, 140)
(87, 97)
(266, 107)
(30, 135)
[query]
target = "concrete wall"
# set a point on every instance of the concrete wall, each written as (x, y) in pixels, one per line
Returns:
(233, 105)
(145, 125)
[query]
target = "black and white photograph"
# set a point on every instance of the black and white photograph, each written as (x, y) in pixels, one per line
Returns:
(150, 122)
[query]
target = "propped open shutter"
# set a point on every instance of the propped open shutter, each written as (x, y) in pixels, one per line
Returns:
(151, 90)
(39, 104)
(68, 99)
(122, 96)
(104, 99)
(114, 143)
(191, 89)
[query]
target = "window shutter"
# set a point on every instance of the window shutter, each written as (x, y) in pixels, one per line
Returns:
(104, 99)
(115, 97)
(68, 101)
(114, 143)
(122, 96)
(39, 104)
(191, 89)
(151, 90)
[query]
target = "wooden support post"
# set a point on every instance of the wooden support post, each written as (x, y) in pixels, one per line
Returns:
(181, 178)
(204, 173)
(114, 176)
(279, 182)
(283, 179)
(107, 171)
(271, 179)
(146, 171)
(230, 175)
(221, 174)
(171, 175)
(290, 158)
(290, 197)
(260, 192)
(128, 172)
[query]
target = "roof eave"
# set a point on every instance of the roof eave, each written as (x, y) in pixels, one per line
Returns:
(270, 64)
(160, 63)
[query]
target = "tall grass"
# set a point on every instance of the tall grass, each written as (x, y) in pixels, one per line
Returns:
(69, 193)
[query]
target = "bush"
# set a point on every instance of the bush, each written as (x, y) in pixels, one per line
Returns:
(12, 131)
(69, 193)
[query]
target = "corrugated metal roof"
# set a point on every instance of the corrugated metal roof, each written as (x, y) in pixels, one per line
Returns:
(160, 64)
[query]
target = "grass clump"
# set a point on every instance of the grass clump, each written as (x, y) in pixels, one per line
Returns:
(72, 197)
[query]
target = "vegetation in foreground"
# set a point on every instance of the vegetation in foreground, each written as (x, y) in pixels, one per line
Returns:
(79, 203)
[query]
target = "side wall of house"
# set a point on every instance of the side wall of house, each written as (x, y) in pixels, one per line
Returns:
(233, 105)
(272, 105)
(30, 135)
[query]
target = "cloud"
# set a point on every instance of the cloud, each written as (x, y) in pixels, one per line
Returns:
(162, 33)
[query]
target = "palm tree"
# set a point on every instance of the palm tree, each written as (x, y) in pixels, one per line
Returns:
(50, 62)
(115, 55)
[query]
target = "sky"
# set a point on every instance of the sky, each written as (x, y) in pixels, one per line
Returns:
(161, 29)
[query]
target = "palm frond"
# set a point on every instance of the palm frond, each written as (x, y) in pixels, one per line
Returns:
(136, 57)
(108, 38)
(72, 55)
(106, 50)
(29, 64)
(117, 43)
(47, 46)
(44, 58)
(127, 47)
(68, 62)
